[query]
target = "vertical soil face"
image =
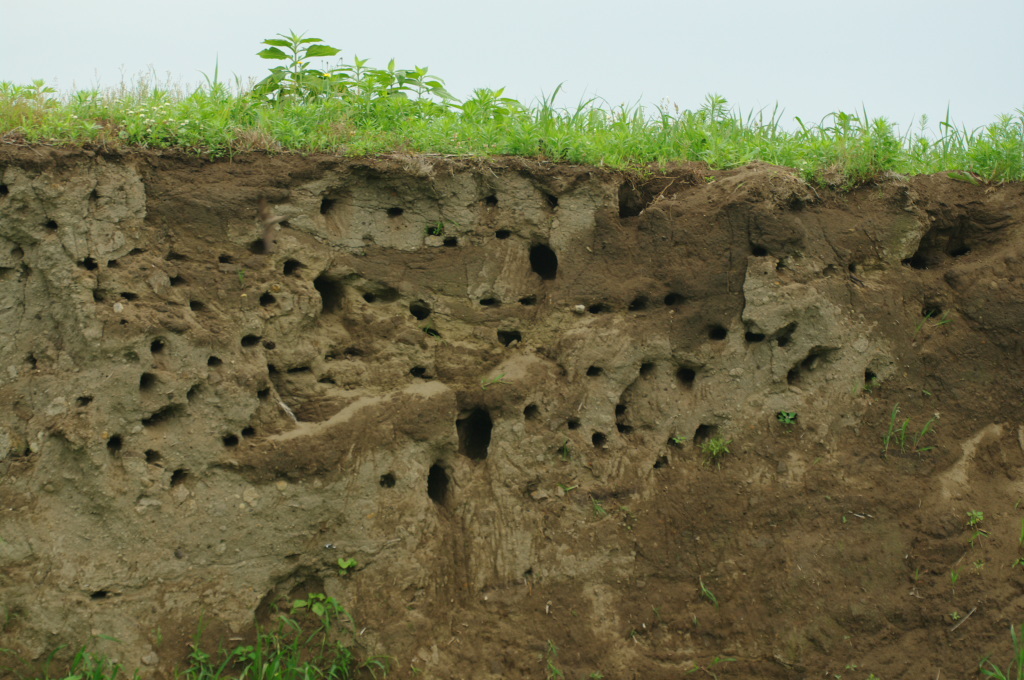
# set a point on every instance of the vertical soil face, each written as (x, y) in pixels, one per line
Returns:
(646, 424)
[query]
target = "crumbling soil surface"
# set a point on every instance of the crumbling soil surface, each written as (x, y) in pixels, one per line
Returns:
(497, 385)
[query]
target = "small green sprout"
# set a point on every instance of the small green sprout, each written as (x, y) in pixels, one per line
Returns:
(786, 417)
(714, 448)
(346, 565)
(487, 382)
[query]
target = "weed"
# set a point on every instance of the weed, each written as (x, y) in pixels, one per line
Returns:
(1020, 542)
(599, 510)
(345, 566)
(1014, 670)
(678, 440)
(706, 593)
(436, 229)
(899, 433)
(564, 452)
(711, 664)
(787, 418)
(974, 519)
(714, 448)
(487, 382)
(954, 615)
(954, 578)
(554, 673)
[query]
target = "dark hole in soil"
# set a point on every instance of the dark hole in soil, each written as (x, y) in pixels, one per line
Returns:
(594, 371)
(292, 266)
(178, 476)
(129, 296)
(686, 376)
(196, 305)
(113, 264)
(271, 369)
(623, 428)
(599, 308)
(676, 441)
(552, 200)
(450, 242)
(508, 337)
(249, 431)
(230, 440)
(152, 456)
(502, 234)
(808, 364)
(599, 439)
(531, 411)
(353, 352)
(758, 251)
(146, 381)
(718, 332)
(419, 309)
(214, 361)
(437, 484)
(639, 303)
(258, 247)
(267, 299)
(395, 212)
(785, 336)
(573, 423)
(84, 400)
(417, 371)
(114, 443)
(136, 251)
(263, 394)
(156, 346)
(327, 380)
(178, 281)
(490, 302)
(97, 296)
(299, 369)
(175, 257)
(543, 261)
(631, 202)
(161, 416)
(474, 434)
(918, 261)
(662, 462)
(52, 225)
(4, 190)
(100, 594)
(750, 336)
(88, 263)
(325, 205)
(330, 290)
(193, 392)
(869, 376)
(852, 267)
(528, 300)
(225, 259)
(959, 251)
(703, 433)
(646, 368)
(673, 299)
(251, 340)
(387, 480)
(369, 297)
(620, 409)
(491, 201)
(931, 311)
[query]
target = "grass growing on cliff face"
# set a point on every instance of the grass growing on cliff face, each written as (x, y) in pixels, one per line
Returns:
(355, 109)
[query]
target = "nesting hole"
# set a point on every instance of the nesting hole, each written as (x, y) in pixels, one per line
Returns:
(717, 332)
(157, 346)
(599, 439)
(161, 416)
(251, 340)
(269, 344)
(758, 251)
(704, 433)
(474, 432)
(249, 431)
(175, 257)
(100, 594)
(594, 371)
(418, 371)
(88, 263)
(528, 301)
(917, 261)
(543, 261)
(686, 375)
(113, 264)
(291, 267)
(437, 484)
(230, 440)
(599, 308)
(153, 457)
(179, 476)
(623, 428)
(490, 302)
(326, 204)
(639, 303)
(214, 361)
(395, 212)
(178, 281)
(491, 201)
(508, 337)
(330, 290)
(84, 400)
(147, 381)
(263, 393)
(52, 225)
(785, 336)
(751, 336)
(387, 480)
(502, 234)
(114, 443)
(931, 311)
(674, 299)
(573, 423)
(808, 364)
(225, 259)
(870, 377)
(267, 299)
(620, 409)
(193, 392)
(450, 242)
(419, 309)
(196, 305)
(552, 200)
(661, 462)
(4, 190)
(531, 411)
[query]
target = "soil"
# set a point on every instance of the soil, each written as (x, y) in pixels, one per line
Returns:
(496, 384)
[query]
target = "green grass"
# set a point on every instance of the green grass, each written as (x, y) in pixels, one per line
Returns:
(355, 109)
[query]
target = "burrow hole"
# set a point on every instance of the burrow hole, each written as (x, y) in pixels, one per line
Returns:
(528, 301)
(153, 456)
(418, 372)
(931, 311)
(157, 346)
(490, 302)
(599, 308)
(704, 433)
(718, 332)
(326, 204)
(173, 256)
(531, 411)
(552, 200)
(263, 393)
(214, 361)
(193, 392)
(785, 336)
(599, 439)
(251, 340)
(594, 371)
(248, 431)
(88, 263)
(4, 190)
(639, 303)
(751, 336)
(450, 242)
(661, 462)
(395, 212)
(147, 381)
(491, 201)
(100, 594)
(437, 483)
(114, 443)
(84, 400)
(179, 476)
(161, 416)
(230, 440)
(387, 480)
(330, 290)
(686, 375)
(196, 305)
(508, 337)
(543, 261)
(419, 309)
(291, 267)
(917, 261)
(52, 225)
(623, 428)
(870, 378)
(113, 264)
(267, 299)
(225, 259)
(757, 250)
(129, 296)
(474, 430)
(502, 234)
(178, 281)
(674, 299)
(646, 369)
(814, 358)
(573, 423)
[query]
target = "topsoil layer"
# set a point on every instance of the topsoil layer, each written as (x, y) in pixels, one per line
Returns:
(498, 385)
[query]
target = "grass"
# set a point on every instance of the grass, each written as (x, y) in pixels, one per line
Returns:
(355, 109)
(1013, 670)
(900, 434)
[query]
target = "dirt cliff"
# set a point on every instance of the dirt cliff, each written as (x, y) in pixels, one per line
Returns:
(646, 421)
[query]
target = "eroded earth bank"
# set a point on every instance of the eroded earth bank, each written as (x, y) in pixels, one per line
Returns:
(497, 386)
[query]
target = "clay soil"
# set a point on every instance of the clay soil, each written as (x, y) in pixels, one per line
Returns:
(495, 385)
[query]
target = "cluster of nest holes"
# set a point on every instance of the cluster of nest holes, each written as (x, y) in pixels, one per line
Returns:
(814, 358)
(331, 293)
(508, 337)
(474, 431)
(543, 261)
(437, 483)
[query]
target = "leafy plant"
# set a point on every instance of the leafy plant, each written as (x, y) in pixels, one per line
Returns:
(954, 578)
(899, 434)
(553, 672)
(1013, 670)
(345, 566)
(296, 79)
(678, 439)
(714, 448)
(487, 382)
(564, 452)
(706, 593)
(787, 418)
(599, 510)
(436, 229)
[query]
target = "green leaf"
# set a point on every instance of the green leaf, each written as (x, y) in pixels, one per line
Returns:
(272, 53)
(321, 51)
(307, 40)
(275, 41)
(317, 609)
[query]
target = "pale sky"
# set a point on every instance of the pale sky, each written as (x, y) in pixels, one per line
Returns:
(897, 58)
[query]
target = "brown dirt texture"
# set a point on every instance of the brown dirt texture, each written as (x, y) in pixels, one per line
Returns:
(497, 385)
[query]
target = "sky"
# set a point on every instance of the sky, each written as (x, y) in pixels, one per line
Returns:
(895, 58)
